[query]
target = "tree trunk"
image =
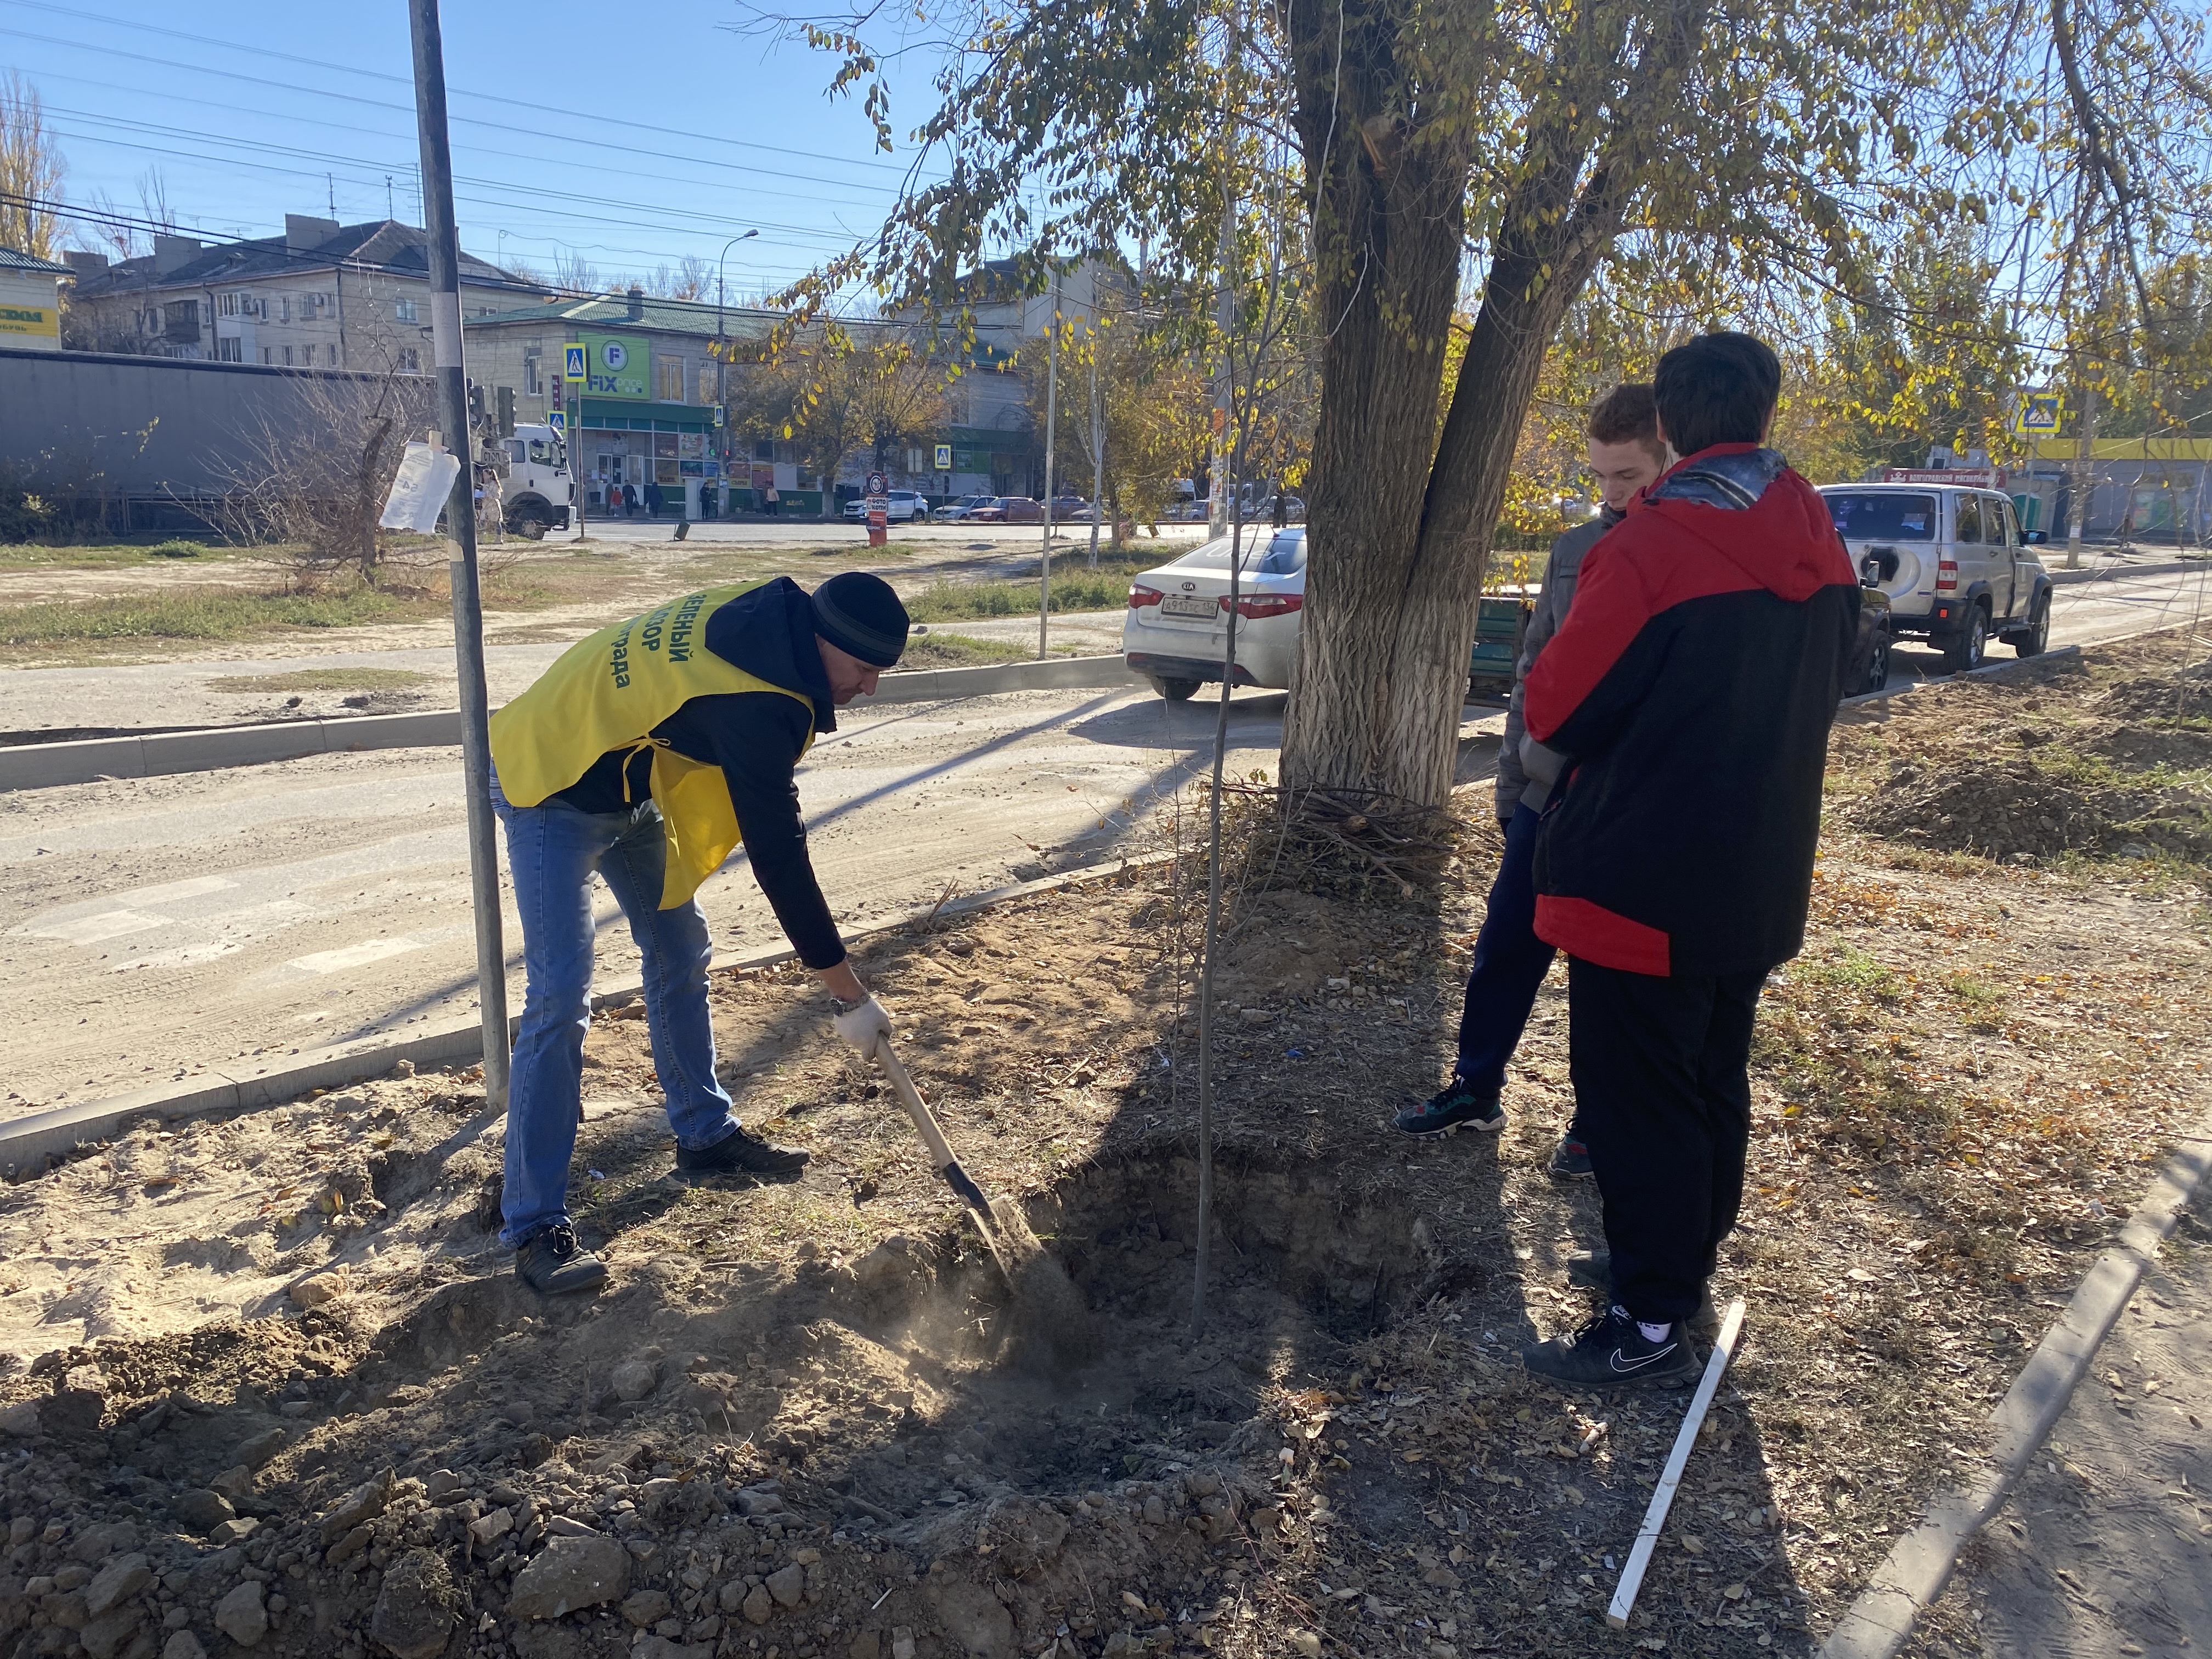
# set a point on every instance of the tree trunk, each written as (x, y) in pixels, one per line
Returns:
(1380, 642)
(1401, 517)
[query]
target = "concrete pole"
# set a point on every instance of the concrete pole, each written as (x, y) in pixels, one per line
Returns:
(1097, 454)
(2084, 477)
(1051, 418)
(460, 518)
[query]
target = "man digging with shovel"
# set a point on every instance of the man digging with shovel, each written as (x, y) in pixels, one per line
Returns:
(648, 752)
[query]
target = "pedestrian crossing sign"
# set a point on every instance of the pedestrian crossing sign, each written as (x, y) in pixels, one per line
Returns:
(574, 368)
(558, 422)
(2038, 414)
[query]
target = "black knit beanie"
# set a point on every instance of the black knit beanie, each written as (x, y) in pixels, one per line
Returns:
(861, 615)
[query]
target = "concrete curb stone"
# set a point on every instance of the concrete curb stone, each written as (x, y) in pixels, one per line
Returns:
(28, 1144)
(49, 765)
(1987, 671)
(1918, 1566)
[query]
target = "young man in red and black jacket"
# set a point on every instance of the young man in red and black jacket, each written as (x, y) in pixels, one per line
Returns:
(1685, 707)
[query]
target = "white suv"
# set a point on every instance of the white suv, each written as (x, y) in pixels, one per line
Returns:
(1953, 561)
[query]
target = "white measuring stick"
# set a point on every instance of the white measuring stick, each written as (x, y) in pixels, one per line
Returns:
(1655, 1517)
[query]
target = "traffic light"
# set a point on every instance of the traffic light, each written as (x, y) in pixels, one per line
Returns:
(476, 403)
(506, 411)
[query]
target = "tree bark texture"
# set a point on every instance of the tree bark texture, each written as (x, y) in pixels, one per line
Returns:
(1389, 215)
(1400, 517)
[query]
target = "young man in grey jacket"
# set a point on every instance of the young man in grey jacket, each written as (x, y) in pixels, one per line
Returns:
(1626, 453)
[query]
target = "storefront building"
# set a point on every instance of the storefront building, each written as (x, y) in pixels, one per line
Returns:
(645, 422)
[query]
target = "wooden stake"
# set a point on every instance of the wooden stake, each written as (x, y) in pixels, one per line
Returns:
(1655, 1517)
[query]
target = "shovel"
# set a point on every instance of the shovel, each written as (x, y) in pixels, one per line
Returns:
(1050, 1313)
(932, 1140)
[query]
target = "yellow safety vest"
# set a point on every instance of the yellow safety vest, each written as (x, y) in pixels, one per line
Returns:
(608, 692)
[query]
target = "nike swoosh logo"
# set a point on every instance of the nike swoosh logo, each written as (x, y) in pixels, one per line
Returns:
(1638, 1364)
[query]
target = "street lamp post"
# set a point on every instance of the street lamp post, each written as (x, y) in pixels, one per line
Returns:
(722, 349)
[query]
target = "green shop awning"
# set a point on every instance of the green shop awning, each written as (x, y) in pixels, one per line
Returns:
(627, 414)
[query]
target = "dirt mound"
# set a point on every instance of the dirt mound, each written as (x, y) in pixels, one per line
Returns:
(2002, 809)
(2144, 747)
(2163, 698)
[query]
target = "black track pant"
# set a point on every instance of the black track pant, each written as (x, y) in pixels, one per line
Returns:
(1663, 1096)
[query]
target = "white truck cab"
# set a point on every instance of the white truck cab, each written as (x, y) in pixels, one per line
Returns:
(1953, 561)
(539, 492)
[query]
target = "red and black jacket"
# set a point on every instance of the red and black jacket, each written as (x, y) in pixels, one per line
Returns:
(1690, 690)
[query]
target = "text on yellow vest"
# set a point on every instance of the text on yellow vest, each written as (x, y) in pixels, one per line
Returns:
(608, 692)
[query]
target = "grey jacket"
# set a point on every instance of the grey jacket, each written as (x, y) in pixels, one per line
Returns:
(1516, 785)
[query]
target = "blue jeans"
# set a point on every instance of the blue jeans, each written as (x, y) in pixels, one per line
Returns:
(551, 850)
(1510, 963)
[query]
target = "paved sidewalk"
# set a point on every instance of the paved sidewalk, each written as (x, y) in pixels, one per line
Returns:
(2105, 1548)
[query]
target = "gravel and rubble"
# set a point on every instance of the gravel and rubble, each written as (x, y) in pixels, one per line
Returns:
(269, 1385)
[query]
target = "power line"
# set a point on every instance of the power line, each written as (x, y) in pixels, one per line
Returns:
(880, 192)
(268, 246)
(706, 221)
(536, 113)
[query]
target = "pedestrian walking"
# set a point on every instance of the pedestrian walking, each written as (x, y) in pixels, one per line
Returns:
(775, 501)
(1510, 961)
(655, 499)
(647, 753)
(1681, 714)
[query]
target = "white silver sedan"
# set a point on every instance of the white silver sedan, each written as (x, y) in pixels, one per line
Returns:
(1178, 619)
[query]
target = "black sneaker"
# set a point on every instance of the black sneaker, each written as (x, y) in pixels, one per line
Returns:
(1455, 1106)
(1593, 1270)
(552, 1262)
(1571, 1160)
(1611, 1350)
(740, 1153)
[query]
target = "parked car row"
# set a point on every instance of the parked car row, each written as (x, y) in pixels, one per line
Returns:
(1945, 563)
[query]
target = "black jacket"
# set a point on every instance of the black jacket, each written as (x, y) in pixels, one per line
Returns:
(1690, 690)
(756, 738)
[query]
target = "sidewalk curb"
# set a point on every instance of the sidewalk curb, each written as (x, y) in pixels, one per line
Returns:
(1920, 1564)
(2062, 577)
(27, 1144)
(1987, 671)
(49, 765)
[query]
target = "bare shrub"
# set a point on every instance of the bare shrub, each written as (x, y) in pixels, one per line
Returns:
(315, 480)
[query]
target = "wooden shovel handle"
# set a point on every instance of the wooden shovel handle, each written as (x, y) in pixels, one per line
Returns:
(940, 1152)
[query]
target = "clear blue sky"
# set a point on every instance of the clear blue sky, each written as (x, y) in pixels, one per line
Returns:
(247, 113)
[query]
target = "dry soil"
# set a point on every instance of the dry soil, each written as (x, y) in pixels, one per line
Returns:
(270, 1384)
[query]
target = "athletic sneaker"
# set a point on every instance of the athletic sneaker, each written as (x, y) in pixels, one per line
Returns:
(740, 1153)
(1571, 1161)
(552, 1262)
(1594, 1268)
(1454, 1106)
(1610, 1349)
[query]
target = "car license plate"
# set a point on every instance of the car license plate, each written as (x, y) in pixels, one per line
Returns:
(1196, 607)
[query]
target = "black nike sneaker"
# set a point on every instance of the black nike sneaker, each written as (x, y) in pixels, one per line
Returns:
(1456, 1106)
(740, 1153)
(1610, 1350)
(552, 1262)
(1592, 1269)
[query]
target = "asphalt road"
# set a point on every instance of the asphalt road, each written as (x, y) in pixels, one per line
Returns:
(159, 925)
(162, 924)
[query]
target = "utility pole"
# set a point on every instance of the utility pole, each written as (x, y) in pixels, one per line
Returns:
(722, 350)
(2084, 475)
(1225, 319)
(445, 252)
(1098, 451)
(1051, 417)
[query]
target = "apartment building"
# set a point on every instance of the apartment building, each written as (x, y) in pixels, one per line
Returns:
(322, 296)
